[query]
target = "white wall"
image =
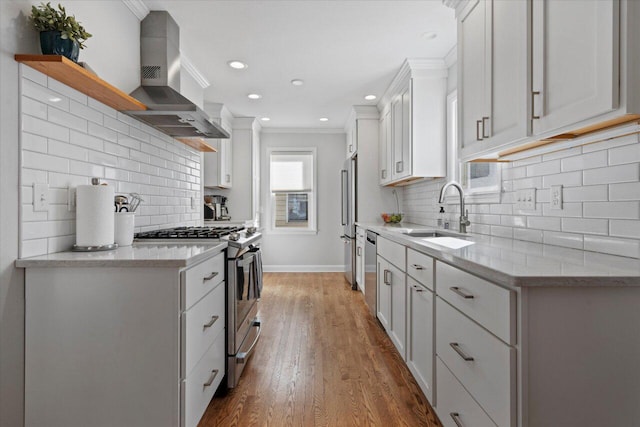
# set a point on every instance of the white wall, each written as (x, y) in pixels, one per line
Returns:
(323, 251)
(119, 67)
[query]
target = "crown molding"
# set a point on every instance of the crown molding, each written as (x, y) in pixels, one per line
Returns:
(137, 7)
(188, 66)
(413, 68)
(303, 130)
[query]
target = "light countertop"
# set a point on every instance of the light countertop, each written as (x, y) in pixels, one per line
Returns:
(518, 263)
(141, 254)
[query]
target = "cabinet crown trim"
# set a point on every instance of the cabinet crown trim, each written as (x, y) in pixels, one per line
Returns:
(413, 68)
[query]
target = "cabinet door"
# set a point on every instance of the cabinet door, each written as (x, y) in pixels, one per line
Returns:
(218, 166)
(384, 293)
(384, 151)
(227, 157)
(575, 61)
(398, 309)
(472, 80)
(420, 326)
(401, 119)
(360, 264)
(396, 137)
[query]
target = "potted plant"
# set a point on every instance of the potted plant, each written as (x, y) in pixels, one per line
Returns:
(60, 34)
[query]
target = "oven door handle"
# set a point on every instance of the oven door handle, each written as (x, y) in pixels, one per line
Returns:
(241, 357)
(245, 261)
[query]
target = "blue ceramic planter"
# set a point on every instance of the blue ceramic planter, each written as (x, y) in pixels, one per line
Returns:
(52, 43)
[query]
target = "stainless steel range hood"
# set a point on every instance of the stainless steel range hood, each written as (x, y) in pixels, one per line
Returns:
(168, 111)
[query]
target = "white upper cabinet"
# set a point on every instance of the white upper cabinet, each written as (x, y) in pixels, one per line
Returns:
(218, 166)
(413, 124)
(538, 71)
(575, 61)
(352, 141)
(492, 68)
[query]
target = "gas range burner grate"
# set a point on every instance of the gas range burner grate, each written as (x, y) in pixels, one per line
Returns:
(214, 232)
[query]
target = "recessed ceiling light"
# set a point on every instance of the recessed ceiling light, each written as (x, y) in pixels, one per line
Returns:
(265, 119)
(238, 65)
(254, 96)
(429, 35)
(370, 97)
(324, 119)
(297, 82)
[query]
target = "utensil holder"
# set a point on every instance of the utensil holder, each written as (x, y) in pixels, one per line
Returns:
(124, 223)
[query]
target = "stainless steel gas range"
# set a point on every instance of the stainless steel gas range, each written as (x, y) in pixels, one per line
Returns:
(243, 285)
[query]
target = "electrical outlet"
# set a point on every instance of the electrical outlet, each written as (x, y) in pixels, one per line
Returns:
(71, 199)
(526, 199)
(556, 197)
(40, 197)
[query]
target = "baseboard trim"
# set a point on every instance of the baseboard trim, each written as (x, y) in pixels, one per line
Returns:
(302, 268)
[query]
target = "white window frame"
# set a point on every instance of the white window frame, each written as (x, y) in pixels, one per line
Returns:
(312, 206)
(456, 170)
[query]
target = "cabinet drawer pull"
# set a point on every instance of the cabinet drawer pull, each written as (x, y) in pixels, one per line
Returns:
(387, 281)
(417, 266)
(417, 288)
(456, 347)
(213, 376)
(359, 250)
(478, 137)
(209, 277)
(351, 148)
(384, 174)
(533, 104)
(456, 290)
(484, 127)
(228, 177)
(399, 167)
(211, 322)
(456, 418)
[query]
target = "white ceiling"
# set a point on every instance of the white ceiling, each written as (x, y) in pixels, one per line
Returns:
(342, 49)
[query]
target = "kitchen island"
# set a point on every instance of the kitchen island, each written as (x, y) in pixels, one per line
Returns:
(133, 336)
(519, 334)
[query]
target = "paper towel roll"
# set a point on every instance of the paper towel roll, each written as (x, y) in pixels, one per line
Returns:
(94, 215)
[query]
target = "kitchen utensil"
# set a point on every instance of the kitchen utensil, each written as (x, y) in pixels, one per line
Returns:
(122, 203)
(136, 199)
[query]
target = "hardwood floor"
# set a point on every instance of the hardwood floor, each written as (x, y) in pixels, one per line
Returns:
(322, 360)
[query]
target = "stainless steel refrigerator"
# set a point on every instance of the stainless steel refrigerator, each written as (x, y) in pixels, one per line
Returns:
(348, 217)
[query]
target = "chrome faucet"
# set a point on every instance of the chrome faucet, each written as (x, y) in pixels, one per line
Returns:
(464, 214)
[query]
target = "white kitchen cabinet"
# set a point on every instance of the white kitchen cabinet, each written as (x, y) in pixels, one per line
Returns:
(414, 121)
(420, 333)
(492, 74)
(136, 346)
(218, 166)
(360, 267)
(352, 140)
(384, 293)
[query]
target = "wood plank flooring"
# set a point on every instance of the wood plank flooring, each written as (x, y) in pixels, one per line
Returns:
(322, 360)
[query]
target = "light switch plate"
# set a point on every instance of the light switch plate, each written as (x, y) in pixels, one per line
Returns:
(40, 197)
(556, 197)
(526, 199)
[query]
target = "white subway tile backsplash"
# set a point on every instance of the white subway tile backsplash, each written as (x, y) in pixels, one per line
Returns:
(139, 134)
(102, 108)
(63, 149)
(585, 225)
(44, 128)
(561, 154)
(86, 141)
(86, 169)
(500, 231)
(612, 174)
(591, 193)
(67, 91)
(624, 228)
(115, 124)
(103, 159)
(567, 179)
(610, 143)
(611, 245)
(546, 168)
(528, 235)
(32, 176)
(86, 112)
(566, 240)
(102, 132)
(544, 223)
(34, 108)
(115, 149)
(33, 142)
(32, 75)
(116, 174)
(626, 154)
(626, 191)
(596, 159)
(37, 92)
(618, 210)
(533, 182)
(60, 180)
(568, 210)
(127, 141)
(45, 162)
(30, 248)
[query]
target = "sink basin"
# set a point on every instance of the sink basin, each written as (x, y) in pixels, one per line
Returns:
(449, 242)
(430, 233)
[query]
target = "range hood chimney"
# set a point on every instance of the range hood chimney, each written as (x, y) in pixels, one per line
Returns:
(168, 111)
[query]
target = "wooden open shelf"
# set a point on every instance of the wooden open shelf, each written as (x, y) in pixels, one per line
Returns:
(73, 75)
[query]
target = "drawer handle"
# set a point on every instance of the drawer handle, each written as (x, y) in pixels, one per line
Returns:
(417, 266)
(417, 288)
(213, 376)
(387, 281)
(456, 347)
(211, 322)
(359, 250)
(209, 277)
(456, 418)
(456, 290)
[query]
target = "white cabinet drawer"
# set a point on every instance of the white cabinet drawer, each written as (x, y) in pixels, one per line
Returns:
(200, 326)
(488, 304)
(201, 278)
(483, 364)
(199, 387)
(392, 252)
(420, 267)
(455, 403)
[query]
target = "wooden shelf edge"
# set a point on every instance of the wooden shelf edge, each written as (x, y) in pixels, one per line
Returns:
(73, 75)
(198, 144)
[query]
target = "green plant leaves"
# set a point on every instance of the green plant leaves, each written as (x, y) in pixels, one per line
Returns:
(47, 18)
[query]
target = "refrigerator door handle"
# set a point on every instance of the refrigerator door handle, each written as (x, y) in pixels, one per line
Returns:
(344, 204)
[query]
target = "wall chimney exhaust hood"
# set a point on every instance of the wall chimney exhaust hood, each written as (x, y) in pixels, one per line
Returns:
(168, 111)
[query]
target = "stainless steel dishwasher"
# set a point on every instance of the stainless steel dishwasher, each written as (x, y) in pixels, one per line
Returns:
(371, 273)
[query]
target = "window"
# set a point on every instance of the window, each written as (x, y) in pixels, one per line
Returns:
(480, 180)
(292, 182)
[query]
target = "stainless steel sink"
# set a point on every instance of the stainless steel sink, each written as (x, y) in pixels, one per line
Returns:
(432, 233)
